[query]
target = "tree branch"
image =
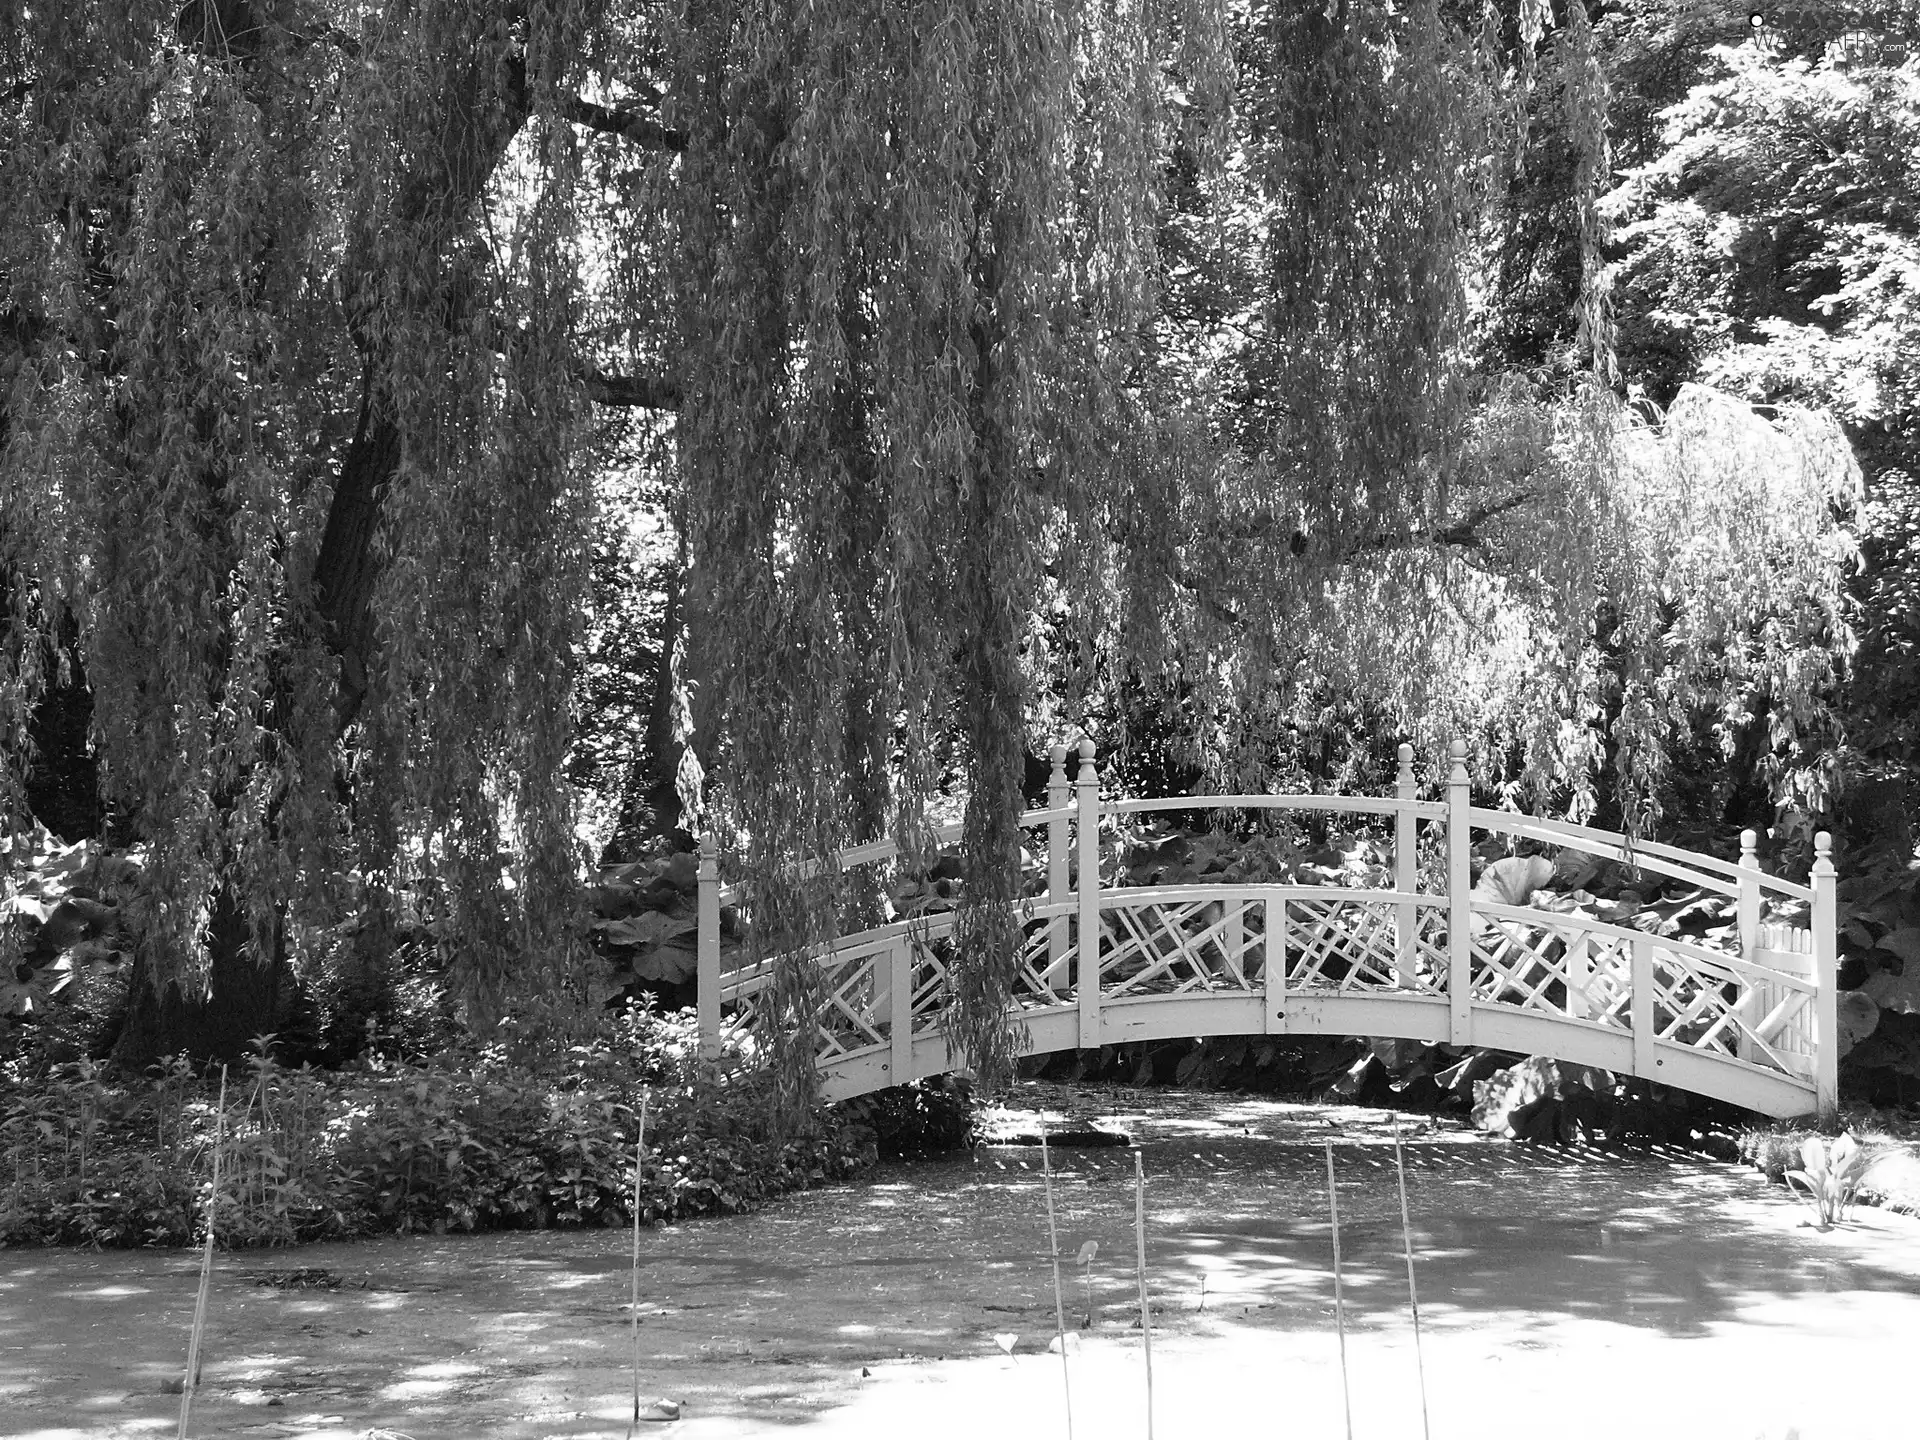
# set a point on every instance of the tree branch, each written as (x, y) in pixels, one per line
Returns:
(1465, 532)
(642, 130)
(635, 392)
(1462, 534)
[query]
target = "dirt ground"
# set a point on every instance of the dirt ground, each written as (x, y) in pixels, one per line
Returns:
(1584, 1294)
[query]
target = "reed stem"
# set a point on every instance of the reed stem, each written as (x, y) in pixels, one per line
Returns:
(1059, 1304)
(633, 1307)
(1339, 1292)
(1413, 1295)
(1140, 1267)
(188, 1386)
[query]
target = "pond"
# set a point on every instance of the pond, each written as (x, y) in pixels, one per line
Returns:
(1577, 1293)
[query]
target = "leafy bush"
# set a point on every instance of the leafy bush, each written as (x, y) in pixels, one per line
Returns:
(927, 1117)
(461, 1141)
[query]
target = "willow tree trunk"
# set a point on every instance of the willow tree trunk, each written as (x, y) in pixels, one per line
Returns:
(244, 998)
(481, 106)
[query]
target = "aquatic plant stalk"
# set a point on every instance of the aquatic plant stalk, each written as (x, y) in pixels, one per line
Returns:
(188, 1385)
(1339, 1293)
(1140, 1267)
(1059, 1304)
(633, 1310)
(1413, 1295)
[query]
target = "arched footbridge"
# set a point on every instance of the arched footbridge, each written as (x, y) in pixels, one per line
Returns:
(1750, 1020)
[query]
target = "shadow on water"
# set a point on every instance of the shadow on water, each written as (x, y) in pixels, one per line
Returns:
(932, 1259)
(1238, 1222)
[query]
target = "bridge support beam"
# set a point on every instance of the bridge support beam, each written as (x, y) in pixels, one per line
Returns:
(1087, 946)
(1275, 964)
(1406, 872)
(899, 963)
(1748, 917)
(1459, 899)
(1640, 1009)
(1826, 979)
(707, 954)
(1059, 862)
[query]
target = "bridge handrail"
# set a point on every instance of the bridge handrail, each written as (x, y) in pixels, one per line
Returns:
(1646, 854)
(1344, 804)
(872, 852)
(1202, 892)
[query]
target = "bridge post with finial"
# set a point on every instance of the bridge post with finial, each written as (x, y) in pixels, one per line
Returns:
(1748, 912)
(1059, 867)
(1459, 898)
(1826, 976)
(1087, 891)
(707, 958)
(1406, 874)
(1747, 919)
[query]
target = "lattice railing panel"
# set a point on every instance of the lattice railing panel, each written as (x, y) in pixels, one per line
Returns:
(1430, 935)
(1353, 945)
(848, 1022)
(1743, 1014)
(1759, 1012)
(1036, 979)
(930, 982)
(1563, 970)
(1203, 946)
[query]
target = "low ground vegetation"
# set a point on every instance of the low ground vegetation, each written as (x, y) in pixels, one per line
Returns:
(1888, 1141)
(465, 1140)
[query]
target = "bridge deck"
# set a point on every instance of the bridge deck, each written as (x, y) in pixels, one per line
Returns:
(1105, 965)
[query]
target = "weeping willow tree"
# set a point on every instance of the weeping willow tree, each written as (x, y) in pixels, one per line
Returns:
(1140, 329)
(1035, 346)
(290, 460)
(923, 246)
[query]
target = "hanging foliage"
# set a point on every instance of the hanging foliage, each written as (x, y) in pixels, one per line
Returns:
(288, 432)
(922, 237)
(1006, 340)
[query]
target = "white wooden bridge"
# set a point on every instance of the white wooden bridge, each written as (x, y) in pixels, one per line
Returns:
(1104, 965)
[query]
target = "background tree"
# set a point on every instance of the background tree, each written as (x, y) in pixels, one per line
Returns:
(290, 393)
(1769, 245)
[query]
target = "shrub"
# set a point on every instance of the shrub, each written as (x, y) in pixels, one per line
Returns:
(927, 1117)
(464, 1140)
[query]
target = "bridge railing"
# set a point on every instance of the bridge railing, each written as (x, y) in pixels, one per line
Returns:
(1094, 949)
(877, 1013)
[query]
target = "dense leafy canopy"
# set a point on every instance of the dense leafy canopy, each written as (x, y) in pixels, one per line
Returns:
(1028, 366)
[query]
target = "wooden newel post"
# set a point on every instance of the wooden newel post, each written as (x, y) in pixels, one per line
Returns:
(707, 961)
(1406, 876)
(1059, 868)
(1087, 890)
(1747, 915)
(1459, 899)
(1826, 976)
(1640, 1008)
(1749, 901)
